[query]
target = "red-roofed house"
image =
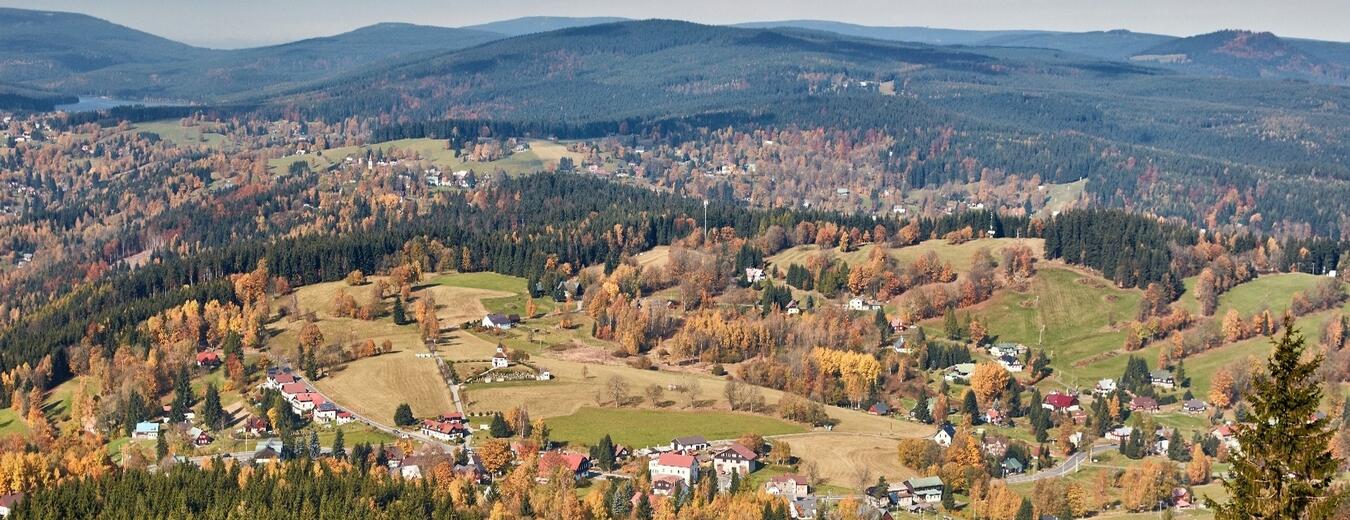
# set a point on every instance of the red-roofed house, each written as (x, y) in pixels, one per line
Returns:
(1143, 404)
(290, 390)
(306, 402)
(736, 458)
(277, 379)
(677, 465)
(1060, 402)
(8, 502)
(209, 359)
(442, 430)
(576, 463)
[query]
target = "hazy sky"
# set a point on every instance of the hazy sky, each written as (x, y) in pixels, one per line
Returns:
(236, 23)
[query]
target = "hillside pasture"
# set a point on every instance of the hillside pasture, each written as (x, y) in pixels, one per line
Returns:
(959, 255)
(1270, 291)
(644, 427)
(1077, 310)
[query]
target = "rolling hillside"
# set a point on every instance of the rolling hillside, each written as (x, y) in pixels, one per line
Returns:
(538, 24)
(1246, 54)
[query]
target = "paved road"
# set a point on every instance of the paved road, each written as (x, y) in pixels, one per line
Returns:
(1070, 465)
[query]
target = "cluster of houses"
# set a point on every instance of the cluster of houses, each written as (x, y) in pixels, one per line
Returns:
(914, 495)
(304, 401)
(1009, 355)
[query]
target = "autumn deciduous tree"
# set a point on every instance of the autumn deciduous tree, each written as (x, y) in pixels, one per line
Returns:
(495, 454)
(1207, 292)
(1221, 388)
(988, 381)
(1198, 469)
(1147, 484)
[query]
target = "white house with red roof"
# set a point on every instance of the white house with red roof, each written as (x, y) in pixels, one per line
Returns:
(278, 378)
(446, 431)
(685, 467)
(576, 463)
(290, 390)
(737, 458)
(306, 402)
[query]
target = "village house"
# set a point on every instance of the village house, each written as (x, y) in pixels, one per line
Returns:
(1011, 364)
(900, 345)
(690, 443)
(198, 437)
(927, 489)
(1060, 402)
(667, 485)
(804, 508)
(995, 417)
(1012, 466)
(1162, 378)
(999, 350)
(788, 486)
(1104, 387)
(995, 447)
(146, 430)
(862, 304)
(736, 458)
(944, 435)
(446, 431)
(879, 408)
(209, 359)
(1194, 406)
(1143, 404)
(8, 502)
(256, 426)
(500, 321)
(326, 412)
(1226, 435)
(290, 390)
(277, 378)
(960, 372)
(306, 402)
(267, 451)
(793, 308)
(579, 465)
(1120, 434)
(685, 467)
(753, 275)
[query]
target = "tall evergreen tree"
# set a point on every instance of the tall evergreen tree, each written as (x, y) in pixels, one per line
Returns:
(212, 413)
(339, 450)
(921, 412)
(403, 415)
(1285, 466)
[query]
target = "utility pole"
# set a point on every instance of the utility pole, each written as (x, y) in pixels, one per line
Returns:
(705, 220)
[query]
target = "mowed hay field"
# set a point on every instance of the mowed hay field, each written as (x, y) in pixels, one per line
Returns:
(1271, 291)
(842, 457)
(375, 386)
(958, 255)
(645, 428)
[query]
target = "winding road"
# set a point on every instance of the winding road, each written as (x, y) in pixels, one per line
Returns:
(1070, 464)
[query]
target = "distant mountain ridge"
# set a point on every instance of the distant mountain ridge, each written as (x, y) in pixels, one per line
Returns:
(1247, 54)
(67, 53)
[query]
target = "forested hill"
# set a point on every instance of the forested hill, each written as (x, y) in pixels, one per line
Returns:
(79, 54)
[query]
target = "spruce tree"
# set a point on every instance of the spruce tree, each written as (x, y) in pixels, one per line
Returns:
(314, 448)
(1025, 512)
(921, 412)
(1285, 467)
(212, 413)
(398, 313)
(499, 429)
(339, 448)
(971, 407)
(161, 447)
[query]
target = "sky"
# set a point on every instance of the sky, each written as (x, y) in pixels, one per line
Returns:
(243, 23)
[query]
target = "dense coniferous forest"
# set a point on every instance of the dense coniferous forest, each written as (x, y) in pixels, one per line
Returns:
(302, 489)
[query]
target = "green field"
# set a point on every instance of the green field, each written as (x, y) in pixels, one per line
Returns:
(1271, 291)
(11, 423)
(958, 255)
(173, 131)
(539, 157)
(496, 282)
(641, 428)
(1076, 310)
